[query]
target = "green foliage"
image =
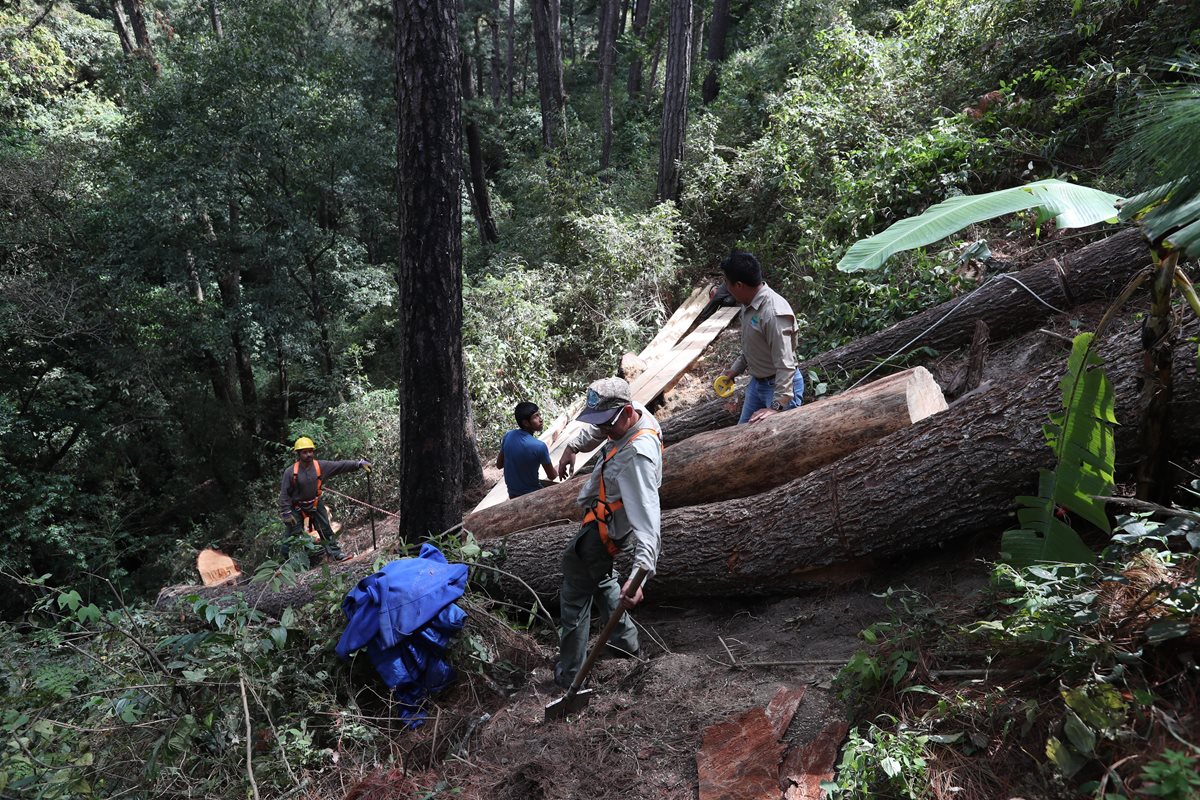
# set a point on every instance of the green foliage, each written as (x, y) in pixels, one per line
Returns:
(882, 763)
(1082, 439)
(1173, 774)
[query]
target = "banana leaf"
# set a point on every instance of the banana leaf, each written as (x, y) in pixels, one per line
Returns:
(1072, 206)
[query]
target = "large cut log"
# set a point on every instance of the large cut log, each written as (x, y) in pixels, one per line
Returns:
(951, 475)
(747, 459)
(1097, 271)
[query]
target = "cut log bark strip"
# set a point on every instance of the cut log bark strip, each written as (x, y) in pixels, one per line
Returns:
(951, 475)
(747, 459)
(559, 432)
(805, 767)
(739, 759)
(1097, 271)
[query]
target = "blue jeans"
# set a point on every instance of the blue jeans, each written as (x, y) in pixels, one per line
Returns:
(761, 393)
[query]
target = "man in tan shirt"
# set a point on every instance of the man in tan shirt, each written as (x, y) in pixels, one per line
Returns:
(768, 341)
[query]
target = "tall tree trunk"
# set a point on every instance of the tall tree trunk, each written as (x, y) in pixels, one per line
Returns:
(497, 76)
(718, 30)
(429, 274)
(230, 284)
(214, 14)
(697, 33)
(641, 16)
(122, 26)
(512, 37)
(141, 34)
(654, 59)
(571, 31)
(472, 463)
(608, 63)
(675, 98)
(547, 41)
(481, 205)
(622, 18)
(478, 53)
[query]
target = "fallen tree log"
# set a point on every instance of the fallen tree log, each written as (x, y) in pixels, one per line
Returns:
(1094, 272)
(1097, 271)
(951, 475)
(747, 459)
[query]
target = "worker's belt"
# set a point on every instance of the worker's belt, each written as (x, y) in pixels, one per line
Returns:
(602, 511)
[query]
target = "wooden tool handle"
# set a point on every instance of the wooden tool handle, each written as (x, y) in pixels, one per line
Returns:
(639, 575)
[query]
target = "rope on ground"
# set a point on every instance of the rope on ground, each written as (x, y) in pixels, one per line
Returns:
(966, 300)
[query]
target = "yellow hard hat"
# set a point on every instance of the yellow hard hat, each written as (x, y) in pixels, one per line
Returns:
(304, 443)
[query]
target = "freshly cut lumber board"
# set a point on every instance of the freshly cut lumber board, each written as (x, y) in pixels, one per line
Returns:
(676, 326)
(661, 374)
(748, 459)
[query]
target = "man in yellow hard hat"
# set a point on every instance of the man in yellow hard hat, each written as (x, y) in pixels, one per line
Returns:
(300, 496)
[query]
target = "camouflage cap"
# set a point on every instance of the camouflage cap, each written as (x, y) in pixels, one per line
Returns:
(605, 399)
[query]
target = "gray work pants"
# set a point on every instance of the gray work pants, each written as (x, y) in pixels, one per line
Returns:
(588, 574)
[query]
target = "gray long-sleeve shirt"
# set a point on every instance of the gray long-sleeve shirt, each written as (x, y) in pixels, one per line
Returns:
(768, 342)
(633, 476)
(306, 482)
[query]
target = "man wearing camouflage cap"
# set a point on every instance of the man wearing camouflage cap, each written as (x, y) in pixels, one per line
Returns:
(621, 498)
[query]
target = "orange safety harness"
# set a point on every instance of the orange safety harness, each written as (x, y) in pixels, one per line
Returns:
(305, 506)
(602, 511)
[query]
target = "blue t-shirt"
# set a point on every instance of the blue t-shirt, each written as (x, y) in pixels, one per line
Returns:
(523, 454)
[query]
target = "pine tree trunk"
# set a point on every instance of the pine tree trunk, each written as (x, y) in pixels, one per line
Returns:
(718, 30)
(481, 204)
(675, 98)
(511, 72)
(641, 17)
(429, 274)
(135, 11)
(497, 77)
(122, 26)
(547, 42)
(608, 63)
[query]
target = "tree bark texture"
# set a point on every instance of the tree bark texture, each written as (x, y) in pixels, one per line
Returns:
(481, 204)
(675, 98)
(951, 475)
(608, 65)
(122, 27)
(510, 55)
(718, 30)
(746, 459)
(548, 44)
(1096, 271)
(497, 76)
(1158, 336)
(429, 274)
(135, 11)
(641, 17)
(214, 15)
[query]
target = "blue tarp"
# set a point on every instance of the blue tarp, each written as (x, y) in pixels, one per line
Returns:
(406, 617)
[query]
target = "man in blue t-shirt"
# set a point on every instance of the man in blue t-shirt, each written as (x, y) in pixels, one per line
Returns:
(521, 453)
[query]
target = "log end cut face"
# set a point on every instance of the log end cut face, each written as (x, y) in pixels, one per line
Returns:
(923, 394)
